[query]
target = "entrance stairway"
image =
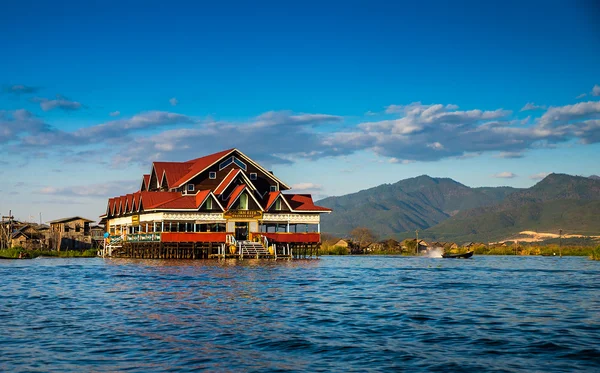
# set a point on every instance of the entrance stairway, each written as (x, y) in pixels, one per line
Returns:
(252, 249)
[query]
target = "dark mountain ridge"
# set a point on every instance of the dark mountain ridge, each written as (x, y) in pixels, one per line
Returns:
(415, 203)
(557, 202)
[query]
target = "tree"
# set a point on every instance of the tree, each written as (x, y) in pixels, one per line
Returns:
(363, 237)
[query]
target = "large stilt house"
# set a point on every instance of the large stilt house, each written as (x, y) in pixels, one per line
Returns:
(223, 204)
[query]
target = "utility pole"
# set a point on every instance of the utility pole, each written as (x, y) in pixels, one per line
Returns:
(6, 230)
(417, 245)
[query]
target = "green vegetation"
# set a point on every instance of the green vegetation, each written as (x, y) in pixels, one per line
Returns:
(595, 255)
(15, 251)
(416, 203)
(444, 210)
(333, 250)
(525, 250)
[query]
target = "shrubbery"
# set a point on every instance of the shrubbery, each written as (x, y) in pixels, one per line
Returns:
(15, 251)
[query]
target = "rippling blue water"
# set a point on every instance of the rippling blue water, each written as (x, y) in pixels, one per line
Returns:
(334, 314)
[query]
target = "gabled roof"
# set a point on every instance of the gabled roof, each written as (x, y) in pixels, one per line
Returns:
(145, 182)
(237, 192)
(227, 180)
(272, 197)
(303, 202)
(21, 231)
(65, 220)
(199, 165)
(203, 195)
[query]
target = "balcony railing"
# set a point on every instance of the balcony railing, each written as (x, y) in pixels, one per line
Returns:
(143, 237)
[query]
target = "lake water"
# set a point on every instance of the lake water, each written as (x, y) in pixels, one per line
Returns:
(334, 314)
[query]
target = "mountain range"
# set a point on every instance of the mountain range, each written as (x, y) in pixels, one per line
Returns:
(443, 209)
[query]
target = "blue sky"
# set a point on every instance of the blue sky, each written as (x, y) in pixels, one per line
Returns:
(334, 98)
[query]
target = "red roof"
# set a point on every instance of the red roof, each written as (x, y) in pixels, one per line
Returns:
(145, 182)
(181, 203)
(128, 202)
(178, 173)
(270, 198)
(152, 199)
(199, 165)
(227, 180)
(235, 194)
(201, 197)
(303, 202)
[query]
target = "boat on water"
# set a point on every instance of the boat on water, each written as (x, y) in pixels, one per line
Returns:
(458, 256)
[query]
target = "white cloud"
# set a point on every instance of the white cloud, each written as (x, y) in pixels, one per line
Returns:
(58, 103)
(581, 95)
(173, 101)
(596, 90)
(115, 113)
(559, 115)
(420, 132)
(306, 187)
(532, 106)
(109, 189)
(539, 176)
(436, 146)
(505, 175)
(510, 155)
(19, 89)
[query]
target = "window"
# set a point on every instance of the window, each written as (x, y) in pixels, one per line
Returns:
(190, 187)
(244, 202)
(225, 163)
(231, 160)
(273, 188)
(209, 203)
(240, 163)
(278, 204)
(253, 176)
(212, 175)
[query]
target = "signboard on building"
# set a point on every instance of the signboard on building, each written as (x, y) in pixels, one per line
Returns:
(243, 214)
(135, 220)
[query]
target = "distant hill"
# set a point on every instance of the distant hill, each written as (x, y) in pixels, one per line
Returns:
(416, 203)
(559, 201)
(595, 177)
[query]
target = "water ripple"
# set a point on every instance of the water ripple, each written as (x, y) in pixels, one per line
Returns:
(351, 314)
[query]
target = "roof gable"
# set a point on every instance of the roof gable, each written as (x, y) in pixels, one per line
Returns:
(272, 197)
(227, 180)
(237, 192)
(202, 198)
(145, 182)
(66, 220)
(269, 174)
(199, 165)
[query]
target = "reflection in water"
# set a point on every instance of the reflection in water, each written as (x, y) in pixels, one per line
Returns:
(333, 314)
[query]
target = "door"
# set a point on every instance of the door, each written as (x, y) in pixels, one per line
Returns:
(241, 231)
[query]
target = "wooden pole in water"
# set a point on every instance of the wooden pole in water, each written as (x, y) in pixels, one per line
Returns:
(417, 246)
(560, 242)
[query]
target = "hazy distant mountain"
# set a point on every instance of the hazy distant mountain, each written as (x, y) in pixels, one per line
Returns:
(559, 201)
(595, 177)
(410, 204)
